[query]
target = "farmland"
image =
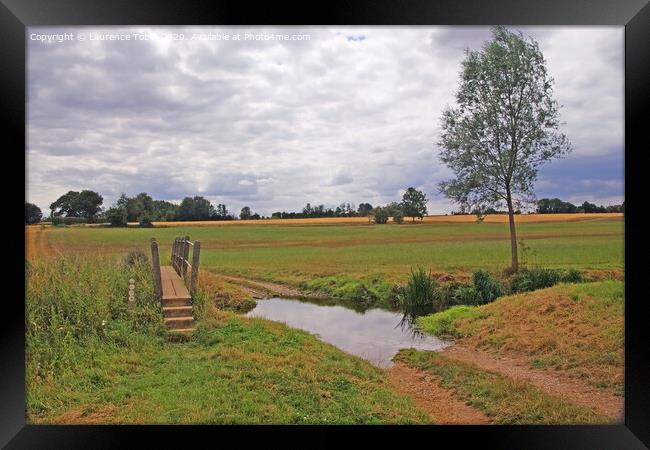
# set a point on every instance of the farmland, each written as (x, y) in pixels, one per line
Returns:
(92, 360)
(299, 251)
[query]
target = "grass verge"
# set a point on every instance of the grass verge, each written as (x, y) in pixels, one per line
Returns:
(503, 400)
(93, 359)
(575, 329)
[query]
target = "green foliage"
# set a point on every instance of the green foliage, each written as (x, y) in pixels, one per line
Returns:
(364, 209)
(245, 213)
(56, 220)
(117, 216)
(363, 293)
(414, 203)
(418, 295)
(380, 215)
(495, 162)
(33, 213)
(573, 276)
(532, 279)
(466, 295)
(145, 222)
(540, 278)
(487, 287)
(196, 208)
(77, 204)
(555, 206)
(398, 217)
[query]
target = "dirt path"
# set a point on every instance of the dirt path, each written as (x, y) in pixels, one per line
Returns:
(264, 289)
(439, 403)
(35, 242)
(30, 242)
(570, 389)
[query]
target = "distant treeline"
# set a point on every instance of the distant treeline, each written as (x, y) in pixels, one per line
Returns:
(343, 210)
(86, 207)
(555, 206)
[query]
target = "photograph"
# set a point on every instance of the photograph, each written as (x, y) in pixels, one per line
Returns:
(325, 225)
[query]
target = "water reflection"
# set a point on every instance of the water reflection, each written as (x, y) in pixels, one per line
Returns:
(373, 334)
(407, 324)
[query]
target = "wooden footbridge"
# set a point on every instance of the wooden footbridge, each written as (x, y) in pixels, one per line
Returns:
(176, 285)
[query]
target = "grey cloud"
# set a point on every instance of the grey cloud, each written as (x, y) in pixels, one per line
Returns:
(273, 125)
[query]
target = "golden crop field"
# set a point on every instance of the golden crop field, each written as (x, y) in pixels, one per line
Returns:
(491, 218)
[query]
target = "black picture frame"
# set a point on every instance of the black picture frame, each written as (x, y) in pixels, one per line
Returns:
(16, 15)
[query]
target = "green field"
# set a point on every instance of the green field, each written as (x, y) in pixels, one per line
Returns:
(296, 254)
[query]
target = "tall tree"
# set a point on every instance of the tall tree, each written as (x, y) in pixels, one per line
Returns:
(196, 208)
(90, 203)
(414, 203)
(221, 212)
(504, 127)
(77, 204)
(364, 209)
(33, 213)
(245, 213)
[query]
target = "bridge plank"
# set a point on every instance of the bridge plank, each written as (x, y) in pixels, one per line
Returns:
(172, 284)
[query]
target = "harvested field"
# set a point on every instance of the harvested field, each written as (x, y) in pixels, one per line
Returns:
(490, 218)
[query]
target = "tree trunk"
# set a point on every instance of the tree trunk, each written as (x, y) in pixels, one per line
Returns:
(513, 236)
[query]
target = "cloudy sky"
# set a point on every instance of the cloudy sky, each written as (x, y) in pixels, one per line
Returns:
(346, 115)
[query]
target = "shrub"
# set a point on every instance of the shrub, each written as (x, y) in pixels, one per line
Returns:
(532, 279)
(70, 220)
(486, 286)
(380, 215)
(466, 295)
(145, 222)
(398, 216)
(116, 216)
(572, 276)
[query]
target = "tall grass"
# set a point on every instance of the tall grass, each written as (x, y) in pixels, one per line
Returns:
(76, 304)
(419, 294)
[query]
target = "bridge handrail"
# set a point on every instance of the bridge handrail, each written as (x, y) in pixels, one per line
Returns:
(179, 261)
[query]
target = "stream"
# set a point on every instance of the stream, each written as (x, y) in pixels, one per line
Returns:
(375, 334)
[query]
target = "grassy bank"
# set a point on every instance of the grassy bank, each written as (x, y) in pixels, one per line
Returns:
(573, 329)
(503, 400)
(93, 359)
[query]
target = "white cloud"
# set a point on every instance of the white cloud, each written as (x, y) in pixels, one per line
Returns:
(352, 115)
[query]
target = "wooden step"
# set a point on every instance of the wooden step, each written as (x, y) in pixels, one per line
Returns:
(179, 322)
(181, 330)
(177, 311)
(176, 301)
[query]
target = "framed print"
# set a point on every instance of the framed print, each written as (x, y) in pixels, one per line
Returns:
(421, 216)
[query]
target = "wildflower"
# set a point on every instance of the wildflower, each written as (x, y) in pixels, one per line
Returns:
(103, 323)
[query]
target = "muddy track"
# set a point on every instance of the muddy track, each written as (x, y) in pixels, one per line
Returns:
(266, 289)
(570, 389)
(439, 403)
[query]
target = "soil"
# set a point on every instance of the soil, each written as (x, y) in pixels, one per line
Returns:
(439, 403)
(266, 289)
(573, 390)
